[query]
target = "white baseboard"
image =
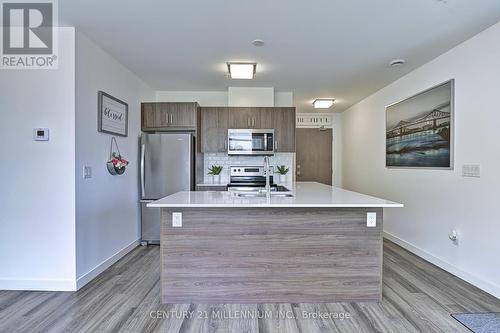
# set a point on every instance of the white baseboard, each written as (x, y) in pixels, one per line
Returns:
(38, 285)
(65, 285)
(87, 277)
(486, 286)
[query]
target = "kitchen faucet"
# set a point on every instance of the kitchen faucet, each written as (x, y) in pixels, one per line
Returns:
(267, 171)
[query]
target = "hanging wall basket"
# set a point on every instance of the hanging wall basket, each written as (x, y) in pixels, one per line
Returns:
(116, 164)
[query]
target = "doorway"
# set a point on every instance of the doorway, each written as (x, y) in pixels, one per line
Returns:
(314, 155)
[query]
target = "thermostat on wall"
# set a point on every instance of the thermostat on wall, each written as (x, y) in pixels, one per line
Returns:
(41, 134)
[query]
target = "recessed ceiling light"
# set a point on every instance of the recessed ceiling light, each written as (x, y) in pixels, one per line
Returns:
(241, 70)
(258, 42)
(397, 62)
(323, 103)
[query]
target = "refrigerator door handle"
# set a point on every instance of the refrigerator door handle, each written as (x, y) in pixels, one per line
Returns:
(143, 180)
(192, 163)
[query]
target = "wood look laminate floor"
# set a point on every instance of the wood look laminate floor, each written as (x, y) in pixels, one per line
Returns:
(418, 297)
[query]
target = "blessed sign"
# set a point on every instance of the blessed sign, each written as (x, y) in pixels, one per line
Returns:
(113, 115)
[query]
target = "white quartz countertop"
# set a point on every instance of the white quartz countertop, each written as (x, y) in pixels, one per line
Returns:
(305, 194)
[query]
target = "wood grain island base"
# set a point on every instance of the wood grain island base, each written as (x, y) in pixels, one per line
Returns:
(271, 255)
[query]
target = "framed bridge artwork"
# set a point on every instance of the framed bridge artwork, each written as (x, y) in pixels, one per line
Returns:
(419, 130)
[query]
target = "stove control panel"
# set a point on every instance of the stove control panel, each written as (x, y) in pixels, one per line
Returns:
(249, 171)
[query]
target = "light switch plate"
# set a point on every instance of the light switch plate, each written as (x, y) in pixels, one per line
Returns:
(87, 172)
(471, 170)
(371, 219)
(176, 220)
(41, 134)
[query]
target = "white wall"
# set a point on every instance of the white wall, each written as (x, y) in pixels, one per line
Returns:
(37, 191)
(250, 96)
(204, 98)
(107, 210)
(283, 98)
(337, 150)
(437, 201)
(216, 98)
(59, 231)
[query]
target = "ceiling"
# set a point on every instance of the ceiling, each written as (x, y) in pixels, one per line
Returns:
(315, 48)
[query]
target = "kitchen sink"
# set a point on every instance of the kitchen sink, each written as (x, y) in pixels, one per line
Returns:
(251, 189)
(284, 195)
(281, 188)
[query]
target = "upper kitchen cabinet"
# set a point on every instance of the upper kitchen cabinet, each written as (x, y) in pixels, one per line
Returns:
(242, 117)
(215, 121)
(164, 116)
(284, 129)
(265, 117)
(214, 125)
(181, 114)
(251, 117)
(148, 116)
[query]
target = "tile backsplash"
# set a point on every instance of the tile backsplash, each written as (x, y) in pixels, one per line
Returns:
(227, 161)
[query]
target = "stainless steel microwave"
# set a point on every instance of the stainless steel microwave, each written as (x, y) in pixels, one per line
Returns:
(250, 141)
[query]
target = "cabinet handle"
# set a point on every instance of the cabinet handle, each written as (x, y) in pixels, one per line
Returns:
(253, 122)
(171, 118)
(248, 122)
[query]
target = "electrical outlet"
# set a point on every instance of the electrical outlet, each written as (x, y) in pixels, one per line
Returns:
(453, 235)
(371, 219)
(471, 170)
(87, 172)
(176, 220)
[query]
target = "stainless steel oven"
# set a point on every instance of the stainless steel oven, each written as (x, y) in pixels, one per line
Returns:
(250, 141)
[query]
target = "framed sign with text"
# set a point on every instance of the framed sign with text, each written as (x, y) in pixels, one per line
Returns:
(112, 115)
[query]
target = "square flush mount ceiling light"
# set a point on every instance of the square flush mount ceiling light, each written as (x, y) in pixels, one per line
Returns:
(241, 70)
(323, 103)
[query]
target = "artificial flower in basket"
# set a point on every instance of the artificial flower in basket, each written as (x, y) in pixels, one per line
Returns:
(116, 164)
(119, 163)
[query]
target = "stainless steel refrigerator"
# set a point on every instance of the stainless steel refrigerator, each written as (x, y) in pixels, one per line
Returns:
(167, 167)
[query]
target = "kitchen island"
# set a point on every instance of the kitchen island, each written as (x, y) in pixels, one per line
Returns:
(309, 245)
